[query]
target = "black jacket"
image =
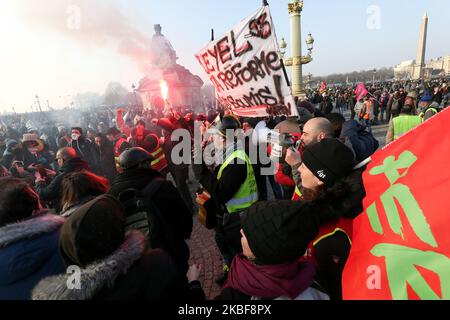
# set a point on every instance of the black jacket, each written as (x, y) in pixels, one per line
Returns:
(170, 204)
(106, 161)
(221, 190)
(86, 151)
(363, 142)
(53, 191)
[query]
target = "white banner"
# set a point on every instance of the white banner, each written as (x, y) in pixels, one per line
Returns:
(245, 68)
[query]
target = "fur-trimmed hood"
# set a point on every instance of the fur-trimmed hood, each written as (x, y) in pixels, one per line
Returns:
(28, 253)
(96, 276)
(30, 228)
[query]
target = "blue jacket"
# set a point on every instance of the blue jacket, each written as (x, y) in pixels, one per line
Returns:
(28, 253)
(363, 142)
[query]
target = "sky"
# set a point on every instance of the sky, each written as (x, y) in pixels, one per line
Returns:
(58, 48)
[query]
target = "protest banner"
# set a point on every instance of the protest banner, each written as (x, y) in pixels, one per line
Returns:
(246, 69)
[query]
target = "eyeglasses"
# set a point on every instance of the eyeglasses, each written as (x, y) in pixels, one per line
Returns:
(56, 159)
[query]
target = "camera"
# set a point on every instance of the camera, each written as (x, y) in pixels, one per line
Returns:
(291, 141)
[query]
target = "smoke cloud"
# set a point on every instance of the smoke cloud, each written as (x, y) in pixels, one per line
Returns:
(92, 24)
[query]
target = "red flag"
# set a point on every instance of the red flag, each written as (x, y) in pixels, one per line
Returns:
(361, 91)
(401, 243)
(323, 87)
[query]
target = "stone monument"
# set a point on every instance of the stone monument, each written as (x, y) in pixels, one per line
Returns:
(421, 50)
(184, 87)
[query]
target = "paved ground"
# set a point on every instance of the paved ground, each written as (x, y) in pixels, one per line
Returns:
(203, 247)
(204, 251)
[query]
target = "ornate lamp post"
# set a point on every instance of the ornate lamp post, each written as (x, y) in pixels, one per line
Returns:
(309, 80)
(38, 103)
(374, 74)
(135, 97)
(297, 60)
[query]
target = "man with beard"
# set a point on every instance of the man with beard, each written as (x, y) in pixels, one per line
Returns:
(314, 131)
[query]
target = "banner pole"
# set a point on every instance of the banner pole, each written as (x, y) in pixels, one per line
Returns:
(215, 92)
(285, 73)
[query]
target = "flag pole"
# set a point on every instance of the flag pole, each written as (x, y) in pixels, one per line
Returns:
(215, 92)
(363, 163)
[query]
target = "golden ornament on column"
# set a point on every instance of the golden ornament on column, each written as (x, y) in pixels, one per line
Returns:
(297, 60)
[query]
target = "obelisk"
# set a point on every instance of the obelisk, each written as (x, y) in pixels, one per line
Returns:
(420, 59)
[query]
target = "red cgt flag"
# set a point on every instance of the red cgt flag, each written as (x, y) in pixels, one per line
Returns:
(323, 87)
(401, 243)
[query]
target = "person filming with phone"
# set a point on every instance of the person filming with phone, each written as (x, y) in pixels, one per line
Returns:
(68, 162)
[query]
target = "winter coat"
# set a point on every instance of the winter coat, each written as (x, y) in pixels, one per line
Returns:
(363, 143)
(28, 253)
(170, 204)
(53, 191)
(106, 161)
(221, 190)
(326, 106)
(86, 151)
(130, 273)
(43, 157)
(9, 155)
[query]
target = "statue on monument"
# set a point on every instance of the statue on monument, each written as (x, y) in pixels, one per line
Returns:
(164, 55)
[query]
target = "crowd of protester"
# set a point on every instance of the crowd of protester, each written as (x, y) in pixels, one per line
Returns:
(96, 194)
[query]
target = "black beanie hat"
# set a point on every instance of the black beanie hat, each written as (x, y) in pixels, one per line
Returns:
(329, 160)
(93, 232)
(279, 231)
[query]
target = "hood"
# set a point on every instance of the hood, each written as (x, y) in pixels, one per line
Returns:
(25, 246)
(30, 228)
(96, 276)
(351, 128)
(74, 165)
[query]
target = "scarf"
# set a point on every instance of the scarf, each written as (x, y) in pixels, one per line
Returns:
(270, 281)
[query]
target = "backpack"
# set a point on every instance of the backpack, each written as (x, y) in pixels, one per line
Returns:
(142, 214)
(395, 105)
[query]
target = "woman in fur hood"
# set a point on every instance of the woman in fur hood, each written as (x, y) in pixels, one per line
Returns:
(111, 264)
(28, 241)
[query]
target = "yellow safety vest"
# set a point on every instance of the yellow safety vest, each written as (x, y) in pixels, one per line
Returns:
(248, 192)
(404, 123)
(422, 114)
(297, 194)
